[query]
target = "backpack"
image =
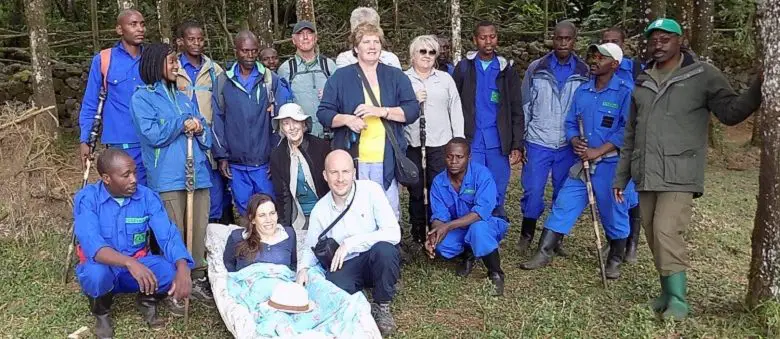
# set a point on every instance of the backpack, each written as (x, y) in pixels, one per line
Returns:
(323, 61)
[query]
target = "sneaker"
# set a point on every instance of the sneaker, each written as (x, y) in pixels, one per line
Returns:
(384, 319)
(201, 289)
(176, 307)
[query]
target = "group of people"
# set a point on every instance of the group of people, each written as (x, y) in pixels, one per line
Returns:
(311, 149)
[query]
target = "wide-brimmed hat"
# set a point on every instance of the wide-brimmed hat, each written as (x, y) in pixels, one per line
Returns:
(292, 111)
(290, 297)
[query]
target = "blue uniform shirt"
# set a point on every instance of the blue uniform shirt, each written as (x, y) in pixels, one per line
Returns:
(626, 71)
(486, 106)
(604, 112)
(563, 71)
(477, 194)
(249, 81)
(122, 80)
(101, 221)
(192, 72)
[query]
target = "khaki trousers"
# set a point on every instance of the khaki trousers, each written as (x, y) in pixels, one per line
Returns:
(175, 203)
(665, 217)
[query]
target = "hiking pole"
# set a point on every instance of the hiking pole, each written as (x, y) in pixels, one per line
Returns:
(189, 185)
(91, 142)
(424, 164)
(592, 204)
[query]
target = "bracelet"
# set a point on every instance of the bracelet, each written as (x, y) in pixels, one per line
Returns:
(387, 112)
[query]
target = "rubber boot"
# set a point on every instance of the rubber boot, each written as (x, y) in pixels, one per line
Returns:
(677, 307)
(101, 309)
(495, 273)
(147, 306)
(633, 238)
(469, 261)
(658, 304)
(548, 242)
(526, 235)
(559, 250)
(617, 248)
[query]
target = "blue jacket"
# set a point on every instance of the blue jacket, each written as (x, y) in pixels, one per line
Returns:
(122, 80)
(344, 93)
(101, 221)
(477, 194)
(545, 107)
(158, 116)
(242, 123)
(604, 112)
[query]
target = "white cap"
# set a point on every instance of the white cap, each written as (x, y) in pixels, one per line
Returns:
(609, 49)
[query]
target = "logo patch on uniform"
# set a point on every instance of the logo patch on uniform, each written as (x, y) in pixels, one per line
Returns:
(495, 96)
(139, 238)
(607, 121)
(610, 104)
(132, 220)
(469, 191)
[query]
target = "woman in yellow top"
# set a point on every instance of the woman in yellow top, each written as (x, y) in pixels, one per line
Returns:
(357, 124)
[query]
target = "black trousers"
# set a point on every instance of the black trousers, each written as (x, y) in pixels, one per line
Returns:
(379, 268)
(435, 164)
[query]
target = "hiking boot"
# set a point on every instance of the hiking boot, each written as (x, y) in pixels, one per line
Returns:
(469, 261)
(384, 319)
(175, 307)
(633, 237)
(677, 307)
(526, 235)
(548, 242)
(201, 289)
(658, 304)
(101, 309)
(617, 248)
(147, 306)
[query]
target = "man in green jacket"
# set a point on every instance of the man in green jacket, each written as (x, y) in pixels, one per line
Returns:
(666, 146)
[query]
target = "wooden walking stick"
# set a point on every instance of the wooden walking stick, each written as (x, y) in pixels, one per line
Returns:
(91, 142)
(189, 185)
(592, 204)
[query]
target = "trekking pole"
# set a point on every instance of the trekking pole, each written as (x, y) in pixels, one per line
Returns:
(189, 185)
(592, 204)
(91, 142)
(424, 165)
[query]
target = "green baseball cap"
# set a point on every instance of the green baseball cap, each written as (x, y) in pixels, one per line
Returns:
(663, 24)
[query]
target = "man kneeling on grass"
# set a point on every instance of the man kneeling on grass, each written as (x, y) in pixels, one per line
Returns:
(463, 202)
(113, 218)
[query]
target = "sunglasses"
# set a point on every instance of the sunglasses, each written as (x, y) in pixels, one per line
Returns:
(425, 51)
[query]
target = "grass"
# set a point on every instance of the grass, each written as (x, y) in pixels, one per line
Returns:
(564, 300)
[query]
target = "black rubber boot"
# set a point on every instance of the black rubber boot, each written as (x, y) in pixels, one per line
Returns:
(147, 306)
(617, 249)
(633, 238)
(548, 242)
(526, 235)
(495, 273)
(469, 261)
(228, 218)
(559, 250)
(101, 309)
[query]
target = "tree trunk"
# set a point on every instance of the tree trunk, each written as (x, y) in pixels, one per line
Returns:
(304, 10)
(755, 138)
(43, 88)
(164, 21)
(260, 22)
(704, 25)
(125, 4)
(93, 17)
(764, 275)
(457, 49)
(369, 3)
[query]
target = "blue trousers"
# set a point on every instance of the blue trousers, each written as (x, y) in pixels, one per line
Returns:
(573, 198)
(218, 194)
(482, 236)
(97, 279)
(542, 161)
(135, 153)
(248, 181)
(498, 164)
(379, 267)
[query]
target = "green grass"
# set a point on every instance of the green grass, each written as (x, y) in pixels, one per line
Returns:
(564, 300)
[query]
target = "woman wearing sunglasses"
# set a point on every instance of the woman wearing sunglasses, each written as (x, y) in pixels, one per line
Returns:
(440, 103)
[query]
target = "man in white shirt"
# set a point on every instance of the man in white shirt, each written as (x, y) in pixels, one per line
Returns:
(362, 15)
(367, 235)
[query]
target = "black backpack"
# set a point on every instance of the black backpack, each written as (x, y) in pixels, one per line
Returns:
(323, 61)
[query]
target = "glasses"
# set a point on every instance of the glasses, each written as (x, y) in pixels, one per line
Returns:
(429, 52)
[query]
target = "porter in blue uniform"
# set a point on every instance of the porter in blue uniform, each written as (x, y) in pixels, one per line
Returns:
(463, 200)
(114, 219)
(603, 104)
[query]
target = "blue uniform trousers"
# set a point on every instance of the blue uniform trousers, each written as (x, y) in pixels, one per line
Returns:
(379, 267)
(573, 198)
(97, 279)
(134, 152)
(218, 193)
(498, 164)
(248, 181)
(482, 236)
(542, 161)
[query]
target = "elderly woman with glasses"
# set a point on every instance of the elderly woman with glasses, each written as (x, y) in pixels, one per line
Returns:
(441, 111)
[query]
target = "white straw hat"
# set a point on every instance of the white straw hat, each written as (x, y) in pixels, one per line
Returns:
(293, 111)
(290, 297)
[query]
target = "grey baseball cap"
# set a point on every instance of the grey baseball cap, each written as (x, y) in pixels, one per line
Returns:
(302, 25)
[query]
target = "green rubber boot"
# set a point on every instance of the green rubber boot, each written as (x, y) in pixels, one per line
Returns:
(677, 307)
(658, 304)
